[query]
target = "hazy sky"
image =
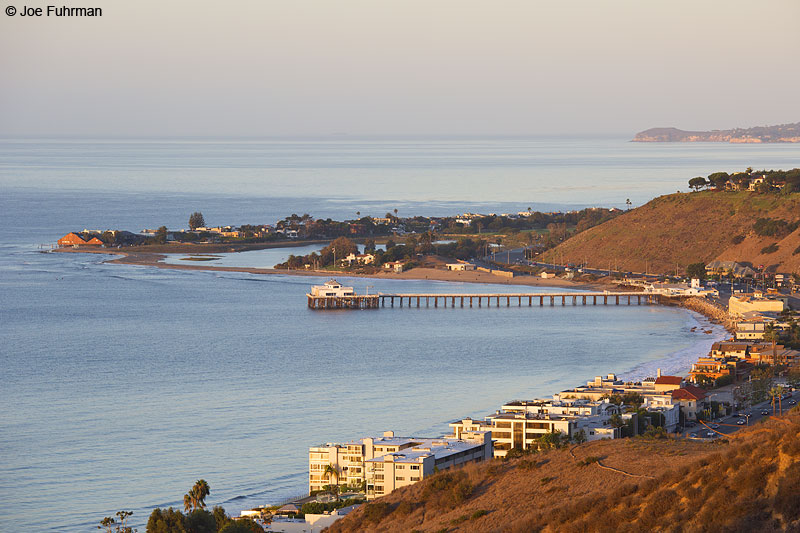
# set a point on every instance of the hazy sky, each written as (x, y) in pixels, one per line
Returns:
(295, 67)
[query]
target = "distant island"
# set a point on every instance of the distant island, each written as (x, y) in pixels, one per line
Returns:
(783, 133)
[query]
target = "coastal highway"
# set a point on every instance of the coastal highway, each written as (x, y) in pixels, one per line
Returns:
(730, 424)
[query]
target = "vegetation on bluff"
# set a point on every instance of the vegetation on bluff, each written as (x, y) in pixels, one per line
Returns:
(671, 232)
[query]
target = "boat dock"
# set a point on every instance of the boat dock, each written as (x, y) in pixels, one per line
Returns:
(375, 301)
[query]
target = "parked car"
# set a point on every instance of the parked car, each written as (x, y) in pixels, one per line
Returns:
(765, 412)
(741, 422)
(714, 426)
(693, 435)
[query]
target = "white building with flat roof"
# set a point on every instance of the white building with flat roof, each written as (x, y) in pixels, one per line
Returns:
(359, 463)
(331, 288)
(393, 470)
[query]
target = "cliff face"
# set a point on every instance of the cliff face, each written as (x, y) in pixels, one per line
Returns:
(786, 133)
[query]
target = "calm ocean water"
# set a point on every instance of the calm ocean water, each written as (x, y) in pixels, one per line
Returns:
(122, 385)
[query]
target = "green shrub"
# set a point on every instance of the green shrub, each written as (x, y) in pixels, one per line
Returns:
(772, 248)
(738, 239)
(479, 513)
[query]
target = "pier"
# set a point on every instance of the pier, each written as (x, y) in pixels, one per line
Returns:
(375, 301)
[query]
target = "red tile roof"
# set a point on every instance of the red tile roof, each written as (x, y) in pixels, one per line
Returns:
(669, 380)
(688, 392)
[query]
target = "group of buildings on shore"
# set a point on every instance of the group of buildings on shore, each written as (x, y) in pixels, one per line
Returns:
(758, 319)
(604, 408)
(377, 465)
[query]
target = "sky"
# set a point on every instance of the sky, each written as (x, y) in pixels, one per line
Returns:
(406, 67)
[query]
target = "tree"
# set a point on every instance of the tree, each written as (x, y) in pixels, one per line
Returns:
(697, 183)
(369, 246)
(200, 521)
(242, 526)
(220, 517)
(196, 220)
(166, 521)
(771, 334)
(195, 498)
(112, 526)
(696, 270)
(719, 179)
(161, 235)
(332, 472)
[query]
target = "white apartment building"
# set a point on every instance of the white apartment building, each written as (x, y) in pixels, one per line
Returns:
(740, 304)
(393, 470)
(522, 422)
(361, 461)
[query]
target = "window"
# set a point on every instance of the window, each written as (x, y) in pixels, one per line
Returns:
(414, 467)
(400, 467)
(414, 479)
(505, 425)
(378, 477)
(399, 478)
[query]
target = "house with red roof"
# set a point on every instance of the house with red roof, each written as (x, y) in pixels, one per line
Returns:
(691, 400)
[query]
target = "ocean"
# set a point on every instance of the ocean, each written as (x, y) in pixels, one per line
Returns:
(122, 385)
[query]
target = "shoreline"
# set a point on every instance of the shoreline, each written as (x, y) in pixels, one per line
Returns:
(155, 259)
(667, 360)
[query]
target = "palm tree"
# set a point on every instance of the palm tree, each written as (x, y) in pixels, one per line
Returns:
(200, 491)
(771, 334)
(329, 472)
(195, 498)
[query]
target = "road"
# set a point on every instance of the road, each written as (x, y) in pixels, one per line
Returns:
(729, 424)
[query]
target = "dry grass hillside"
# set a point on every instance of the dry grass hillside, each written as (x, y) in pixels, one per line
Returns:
(683, 228)
(751, 483)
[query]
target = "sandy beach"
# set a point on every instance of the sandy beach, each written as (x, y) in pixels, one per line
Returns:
(155, 259)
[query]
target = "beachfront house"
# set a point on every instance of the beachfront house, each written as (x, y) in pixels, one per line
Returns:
(310, 523)
(395, 266)
(460, 266)
(358, 259)
(73, 239)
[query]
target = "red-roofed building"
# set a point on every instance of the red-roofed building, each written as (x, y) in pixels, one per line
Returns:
(74, 239)
(71, 239)
(668, 383)
(691, 399)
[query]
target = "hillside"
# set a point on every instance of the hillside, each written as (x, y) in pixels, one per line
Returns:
(768, 134)
(673, 231)
(751, 483)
